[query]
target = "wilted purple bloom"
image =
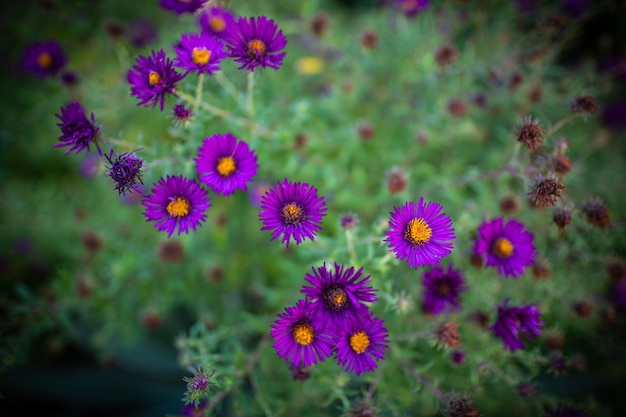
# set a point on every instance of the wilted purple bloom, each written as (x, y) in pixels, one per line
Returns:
(574, 8)
(513, 322)
(563, 410)
(199, 52)
(182, 6)
(614, 115)
(125, 170)
(152, 78)
(77, 131)
(225, 164)
(420, 233)
(298, 339)
(361, 344)
(141, 32)
(292, 210)
(412, 7)
(176, 202)
(182, 113)
(43, 58)
(215, 21)
(442, 289)
(255, 42)
(618, 293)
(69, 78)
(507, 246)
(337, 297)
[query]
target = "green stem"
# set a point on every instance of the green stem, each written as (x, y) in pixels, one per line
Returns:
(350, 245)
(229, 87)
(426, 383)
(250, 96)
(559, 124)
(196, 105)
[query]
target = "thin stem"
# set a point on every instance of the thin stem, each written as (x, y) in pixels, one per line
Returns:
(350, 245)
(372, 388)
(423, 333)
(229, 87)
(559, 124)
(426, 383)
(196, 105)
(250, 96)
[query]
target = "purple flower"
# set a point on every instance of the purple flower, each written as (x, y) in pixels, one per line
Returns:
(508, 246)
(77, 131)
(182, 6)
(412, 7)
(257, 191)
(152, 78)
(563, 410)
(141, 32)
(43, 58)
(216, 21)
(420, 233)
(442, 290)
(176, 201)
(125, 170)
(336, 297)
(255, 43)
(181, 113)
(292, 210)
(512, 322)
(199, 52)
(361, 345)
(298, 339)
(225, 164)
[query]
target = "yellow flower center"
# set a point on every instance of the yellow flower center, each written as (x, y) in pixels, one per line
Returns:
(44, 60)
(303, 333)
(502, 248)
(359, 342)
(256, 48)
(217, 24)
(200, 56)
(336, 298)
(418, 232)
(293, 213)
(226, 166)
(154, 78)
(178, 207)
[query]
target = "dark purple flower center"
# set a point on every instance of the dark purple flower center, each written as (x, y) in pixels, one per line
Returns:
(178, 207)
(502, 248)
(418, 232)
(303, 333)
(292, 213)
(442, 288)
(256, 48)
(336, 298)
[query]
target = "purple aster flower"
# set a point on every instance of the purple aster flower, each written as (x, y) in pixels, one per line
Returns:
(77, 131)
(337, 297)
(412, 7)
(199, 52)
(181, 113)
(292, 210)
(361, 345)
(182, 6)
(216, 21)
(125, 170)
(563, 410)
(420, 233)
(141, 32)
(43, 58)
(176, 201)
(298, 339)
(255, 43)
(508, 246)
(442, 289)
(152, 78)
(225, 164)
(512, 322)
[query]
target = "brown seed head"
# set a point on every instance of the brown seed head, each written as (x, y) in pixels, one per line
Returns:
(457, 107)
(446, 55)
(584, 104)
(92, 241)
(529, 133)
(365, 130)
(515, 80)
(369, 39)
(320, 23)
(364, 409)
(535, 94)
(171, 251)
(448, 334)
(561, 164)
(554, 340)
(541, 270)
(582, 308)
(562, 217)
(616, 269)
(596, 213)
(300, 373)
(396, 181)
(546, 191)
(481, 318)
(509, 205)
(462, 407)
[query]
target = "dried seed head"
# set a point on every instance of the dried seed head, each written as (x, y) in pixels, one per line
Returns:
(535, 94)
(300, 373)
(446, 55)
(171, 251)
(448, 334)
(457, 107)
(320, 23)
(462, 407)
(529, 133)
(584, 104)
(561, 164)
(541, 270)
(562, 217)
(596, 213)
(509, 205)
(396, 181)
(364, 409)
(477, 259)
(545, 191)
(92, 241)
(369, 39)
(582, 308)
(151, 320)
(365, 130)
(481, 318)
(515, 80)
(300, 141)
(616, 269)
(554, 340)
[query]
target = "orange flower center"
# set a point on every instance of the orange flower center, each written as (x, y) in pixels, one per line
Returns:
(154, 78)
(178, 207)
(418, 232)
(336, 298)
(359, 342)
(217, 24)
(44, 60)
(256, 48)
(303, 334)
(200, 56)
(502, 248)
(226, 166)
(293, 213)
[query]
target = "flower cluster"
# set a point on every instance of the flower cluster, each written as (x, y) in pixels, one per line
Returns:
(334, 317)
